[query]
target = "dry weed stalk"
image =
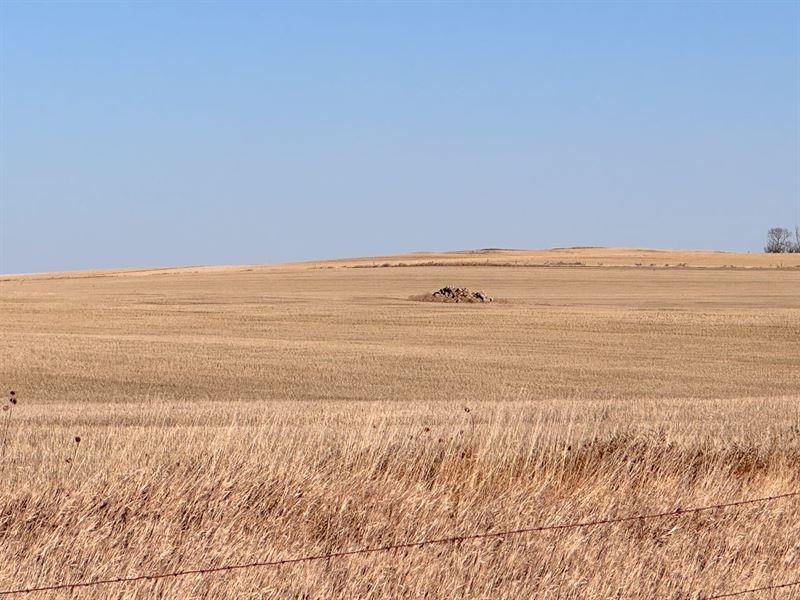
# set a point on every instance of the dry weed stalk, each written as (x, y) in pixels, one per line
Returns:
(8, 408)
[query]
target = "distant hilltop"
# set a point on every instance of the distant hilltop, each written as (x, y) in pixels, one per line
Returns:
(575, 256)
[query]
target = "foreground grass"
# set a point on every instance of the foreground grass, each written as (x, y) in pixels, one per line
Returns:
(183, 486)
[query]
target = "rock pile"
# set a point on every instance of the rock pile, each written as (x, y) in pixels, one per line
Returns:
(456, 294)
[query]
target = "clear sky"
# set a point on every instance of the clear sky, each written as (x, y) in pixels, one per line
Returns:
(144, 134)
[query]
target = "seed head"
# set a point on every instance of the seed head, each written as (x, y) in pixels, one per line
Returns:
(77, 439)
(13, 393)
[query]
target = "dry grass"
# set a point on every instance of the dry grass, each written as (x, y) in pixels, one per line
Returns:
(236, 414)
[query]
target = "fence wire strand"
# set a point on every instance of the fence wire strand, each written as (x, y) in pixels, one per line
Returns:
(765, 588)
(417, 544)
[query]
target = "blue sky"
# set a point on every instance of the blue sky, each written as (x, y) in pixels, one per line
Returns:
(143, 134)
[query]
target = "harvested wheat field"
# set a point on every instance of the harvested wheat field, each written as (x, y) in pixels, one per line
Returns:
(236, 415)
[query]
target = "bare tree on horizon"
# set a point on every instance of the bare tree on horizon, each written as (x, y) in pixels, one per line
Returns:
(779, 240)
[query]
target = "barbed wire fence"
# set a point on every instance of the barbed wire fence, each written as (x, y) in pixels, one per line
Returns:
(417, 544)
(765, 588)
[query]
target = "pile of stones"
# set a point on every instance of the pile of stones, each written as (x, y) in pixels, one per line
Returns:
(456, 294)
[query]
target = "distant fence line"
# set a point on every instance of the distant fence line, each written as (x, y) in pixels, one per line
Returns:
(446, 540)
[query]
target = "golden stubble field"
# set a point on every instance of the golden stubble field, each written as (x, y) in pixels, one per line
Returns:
(239, 414)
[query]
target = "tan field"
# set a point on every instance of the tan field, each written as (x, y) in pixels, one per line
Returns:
(231, 415)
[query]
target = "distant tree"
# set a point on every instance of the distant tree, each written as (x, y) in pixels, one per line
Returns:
(779, 239)
(796, 246)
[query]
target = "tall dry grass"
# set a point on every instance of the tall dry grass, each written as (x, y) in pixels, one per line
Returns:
(200, 485)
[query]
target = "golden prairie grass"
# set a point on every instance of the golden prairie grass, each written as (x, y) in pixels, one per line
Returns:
(231, 415)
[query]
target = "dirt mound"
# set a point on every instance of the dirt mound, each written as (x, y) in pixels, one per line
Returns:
(455, 294)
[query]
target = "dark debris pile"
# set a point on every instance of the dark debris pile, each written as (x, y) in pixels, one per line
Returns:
(457, 294)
